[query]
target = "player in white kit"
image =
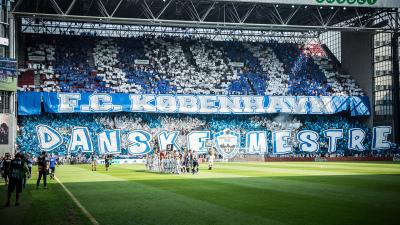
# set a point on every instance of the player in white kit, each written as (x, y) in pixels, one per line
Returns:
(211, 157)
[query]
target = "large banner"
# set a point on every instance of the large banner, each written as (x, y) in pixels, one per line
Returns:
(226, 142)
(29, 103)
(192, 104)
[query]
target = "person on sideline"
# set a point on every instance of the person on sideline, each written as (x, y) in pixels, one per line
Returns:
(29, 163)
(5, 168)
(211, 157)
(18, 171)
(53, 163)
(43, 164)
(195, 163)
(93, 158)
(107, 161)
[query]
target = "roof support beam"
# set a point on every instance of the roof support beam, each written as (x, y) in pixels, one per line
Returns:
(278, 14)
(56, 7)
(249, 11)
(70, 7)
(204, 24)
(194, 11)
(207, 12)
(147, 9)
(236, 14)
(102, 8)
(163, 10)
(116, 7)
(331, 17)
(17, 5)
(292, 14)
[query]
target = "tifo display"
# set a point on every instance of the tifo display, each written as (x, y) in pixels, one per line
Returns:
(115, 130)
(226, 142)
(145, 84)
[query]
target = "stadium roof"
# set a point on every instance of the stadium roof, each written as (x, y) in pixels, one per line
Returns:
(288, 15)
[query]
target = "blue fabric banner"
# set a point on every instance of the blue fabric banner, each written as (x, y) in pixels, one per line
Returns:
(29, 103)
(359, 106)
(193, 104)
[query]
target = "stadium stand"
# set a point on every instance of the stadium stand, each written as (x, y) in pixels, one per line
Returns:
(175, 65)
(167, 65)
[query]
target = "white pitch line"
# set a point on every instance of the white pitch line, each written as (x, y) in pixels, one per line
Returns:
(87, 213)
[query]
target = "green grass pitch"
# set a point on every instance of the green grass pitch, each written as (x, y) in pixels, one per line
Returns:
(233, 193)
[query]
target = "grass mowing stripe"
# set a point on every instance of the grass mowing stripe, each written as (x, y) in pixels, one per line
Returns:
(370, 167)
(137, 203)
(87, 213)
(322, 169)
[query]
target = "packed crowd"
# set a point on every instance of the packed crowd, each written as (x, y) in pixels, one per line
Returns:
(182, 66)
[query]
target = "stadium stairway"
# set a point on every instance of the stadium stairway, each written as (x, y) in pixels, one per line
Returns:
(335, 62)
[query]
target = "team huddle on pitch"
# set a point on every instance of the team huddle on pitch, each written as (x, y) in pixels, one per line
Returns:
(177, 162)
